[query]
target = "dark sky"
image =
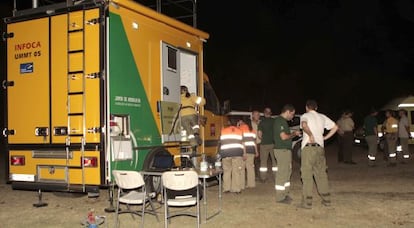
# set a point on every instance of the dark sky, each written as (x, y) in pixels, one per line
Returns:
(346, 54)
(343, 53)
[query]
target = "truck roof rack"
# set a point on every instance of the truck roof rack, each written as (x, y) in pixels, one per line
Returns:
(182, 10)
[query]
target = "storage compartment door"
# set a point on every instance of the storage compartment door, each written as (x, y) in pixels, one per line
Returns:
(170, 104)
(28, 71)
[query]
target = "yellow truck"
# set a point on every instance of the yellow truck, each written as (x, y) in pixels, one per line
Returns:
(95, 86)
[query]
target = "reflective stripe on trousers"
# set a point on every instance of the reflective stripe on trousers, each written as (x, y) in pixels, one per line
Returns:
(282, 187)
(263, 169)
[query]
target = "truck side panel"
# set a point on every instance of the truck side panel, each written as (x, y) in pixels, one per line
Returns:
(135, 71)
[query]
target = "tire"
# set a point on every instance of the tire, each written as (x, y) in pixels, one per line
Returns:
(296, 151)
(153, 183)
(381, 145)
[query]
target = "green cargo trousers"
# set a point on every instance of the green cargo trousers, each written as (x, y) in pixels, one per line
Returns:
(314, 165)
(266, 150)
(284, 171)
(372, 148)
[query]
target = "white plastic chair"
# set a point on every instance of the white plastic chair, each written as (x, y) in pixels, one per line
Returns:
(129, 183)
(181, 181)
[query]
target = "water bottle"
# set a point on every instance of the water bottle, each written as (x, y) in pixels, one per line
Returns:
(217, 164)
(203, 164)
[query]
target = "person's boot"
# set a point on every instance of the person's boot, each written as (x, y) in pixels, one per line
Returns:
(198, 139)
(306, 203)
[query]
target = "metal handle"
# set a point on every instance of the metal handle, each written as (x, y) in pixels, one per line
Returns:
(6, 84)
(41, 131)
(7, 132)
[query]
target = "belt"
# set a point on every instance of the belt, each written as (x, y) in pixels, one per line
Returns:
(187, 107)
(313, 144)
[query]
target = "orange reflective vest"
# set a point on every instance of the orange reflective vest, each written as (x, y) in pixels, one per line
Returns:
(249, 139)
(231, 142)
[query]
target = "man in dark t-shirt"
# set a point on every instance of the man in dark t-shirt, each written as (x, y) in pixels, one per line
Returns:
(282, 138)
(265, 134)
(371, 135)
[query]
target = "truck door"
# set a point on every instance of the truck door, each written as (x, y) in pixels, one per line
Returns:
(28, 93)
(170, 103)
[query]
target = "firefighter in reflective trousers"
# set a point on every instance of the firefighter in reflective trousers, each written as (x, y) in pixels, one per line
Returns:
(283, 152)
(265, 134)
(232, 152)
(189, 117)
(249, 141)
(390, 127)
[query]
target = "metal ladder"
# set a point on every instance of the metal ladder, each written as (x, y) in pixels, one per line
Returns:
(76, 88)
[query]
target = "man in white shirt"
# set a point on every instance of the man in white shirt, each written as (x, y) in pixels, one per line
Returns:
(313, 161)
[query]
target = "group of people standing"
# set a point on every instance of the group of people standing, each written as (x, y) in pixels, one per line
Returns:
(238, 143)
(393, 130)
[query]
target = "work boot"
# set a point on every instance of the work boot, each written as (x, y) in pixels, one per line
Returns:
(326, 203)
(371, 164)
(286, 200)
(304, 205)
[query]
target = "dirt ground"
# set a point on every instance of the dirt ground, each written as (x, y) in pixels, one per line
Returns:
(362, 196)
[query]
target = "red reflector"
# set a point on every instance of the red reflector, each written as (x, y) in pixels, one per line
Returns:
(212, 129)
(90, 161)
(17, 160)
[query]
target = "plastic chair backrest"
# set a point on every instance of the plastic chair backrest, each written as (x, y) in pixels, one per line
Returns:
(180, 180)
(128, 179)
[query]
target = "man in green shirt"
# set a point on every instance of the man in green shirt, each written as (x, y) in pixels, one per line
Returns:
(282, 137)
(265, 134)
(371, 135)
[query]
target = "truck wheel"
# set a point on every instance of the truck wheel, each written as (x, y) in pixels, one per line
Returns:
(296, 151)
(381, 145)
(153, 183)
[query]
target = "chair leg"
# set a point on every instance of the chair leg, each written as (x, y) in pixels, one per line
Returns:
(143, 213)
(165, 210)
(117, 212)
(153, 208)
(198, 207)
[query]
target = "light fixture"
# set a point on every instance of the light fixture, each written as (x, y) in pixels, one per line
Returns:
(407, 105)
